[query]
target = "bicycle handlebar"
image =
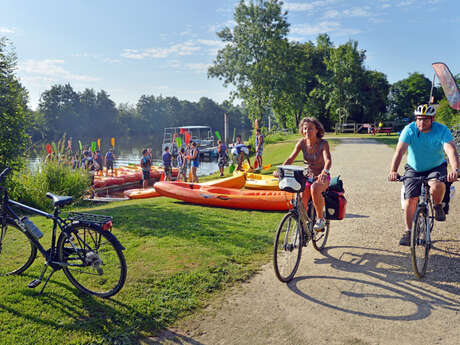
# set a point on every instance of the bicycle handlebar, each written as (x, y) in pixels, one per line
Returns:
(4, 173)
(423, 178)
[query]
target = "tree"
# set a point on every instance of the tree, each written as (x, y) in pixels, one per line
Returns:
(13, 110)
(374, 96)
(346, 72)
(407, 94)
(249, 59)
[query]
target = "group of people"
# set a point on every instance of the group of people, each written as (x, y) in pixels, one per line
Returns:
(93, 161)
(427, 143)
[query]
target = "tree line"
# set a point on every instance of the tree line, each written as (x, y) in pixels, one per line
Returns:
(291, 79)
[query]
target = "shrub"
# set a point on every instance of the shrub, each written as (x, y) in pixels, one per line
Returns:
(30, 187)
(270, 138)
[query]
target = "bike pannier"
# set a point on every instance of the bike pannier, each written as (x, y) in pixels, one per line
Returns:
(335, 205)
(291, 178)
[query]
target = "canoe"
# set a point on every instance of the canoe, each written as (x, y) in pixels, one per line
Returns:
(259, 181)
(141, 193)
(236, 181)
(226, 197)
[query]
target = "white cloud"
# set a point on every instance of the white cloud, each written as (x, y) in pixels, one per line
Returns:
(305, 6)
(97, 57)
(406, 3)
(197, 67)
(217, 27)
(358, 12)
(331, 14)
(52, 69)
(323, 27)
(186, 48)
(4, 30)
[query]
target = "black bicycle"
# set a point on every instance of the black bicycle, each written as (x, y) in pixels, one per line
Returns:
(422, 225)
(294, 232)
(86, 250)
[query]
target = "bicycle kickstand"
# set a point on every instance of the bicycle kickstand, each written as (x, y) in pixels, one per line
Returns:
(34, 283)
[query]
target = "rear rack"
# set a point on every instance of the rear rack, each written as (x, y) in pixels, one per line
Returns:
(87, 218)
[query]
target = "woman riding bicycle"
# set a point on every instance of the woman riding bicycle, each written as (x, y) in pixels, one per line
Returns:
(317, 159)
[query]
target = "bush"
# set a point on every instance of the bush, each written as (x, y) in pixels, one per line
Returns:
(271, 138)
(30, 187)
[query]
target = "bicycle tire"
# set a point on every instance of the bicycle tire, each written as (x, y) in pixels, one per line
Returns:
(288, 247)
(96, 265)
(17, 251)
(319, 237)
(419, 248)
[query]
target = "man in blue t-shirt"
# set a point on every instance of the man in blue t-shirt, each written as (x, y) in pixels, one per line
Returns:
(426, 142)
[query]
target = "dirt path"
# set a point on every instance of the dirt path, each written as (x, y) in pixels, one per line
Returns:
(360, 290)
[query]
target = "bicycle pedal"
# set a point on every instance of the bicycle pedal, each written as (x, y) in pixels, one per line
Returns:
(34, 283)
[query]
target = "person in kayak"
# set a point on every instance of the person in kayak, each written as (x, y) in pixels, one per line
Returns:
(317, 160)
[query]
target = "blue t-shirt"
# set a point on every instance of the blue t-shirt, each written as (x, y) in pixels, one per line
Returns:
(425, 150)
(167, 159)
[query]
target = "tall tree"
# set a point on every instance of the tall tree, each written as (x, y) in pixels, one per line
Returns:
(249, 59)
(407, 93)
(13, 109)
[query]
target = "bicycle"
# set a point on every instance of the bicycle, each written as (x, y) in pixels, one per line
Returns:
(294, 232)
(422, 225)
(89, 254)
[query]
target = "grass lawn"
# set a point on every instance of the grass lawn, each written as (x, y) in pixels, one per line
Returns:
(179, 256)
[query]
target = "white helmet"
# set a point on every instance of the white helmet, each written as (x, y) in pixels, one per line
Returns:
(425, 110)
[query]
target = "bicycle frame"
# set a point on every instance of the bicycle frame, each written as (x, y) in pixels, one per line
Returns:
(57, 222)
(424, 203)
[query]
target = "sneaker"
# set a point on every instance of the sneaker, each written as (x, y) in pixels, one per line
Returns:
(439, 213)
(320, 224)
(405, 239)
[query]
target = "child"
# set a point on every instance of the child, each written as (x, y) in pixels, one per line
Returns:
(167, 156)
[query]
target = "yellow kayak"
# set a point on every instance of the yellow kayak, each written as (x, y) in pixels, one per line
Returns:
(236, 181)
(259, 181)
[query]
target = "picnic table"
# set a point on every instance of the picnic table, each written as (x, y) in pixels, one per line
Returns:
(387, 130)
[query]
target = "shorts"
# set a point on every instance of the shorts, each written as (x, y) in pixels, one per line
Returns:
(222, 161)
(145, 175)
(412, 187)
(195, 164)
(183, 171)
(109, 165)
(168, 171)
(308, 184)
(259, 153)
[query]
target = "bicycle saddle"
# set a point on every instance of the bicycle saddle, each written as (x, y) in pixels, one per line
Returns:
(59, 200)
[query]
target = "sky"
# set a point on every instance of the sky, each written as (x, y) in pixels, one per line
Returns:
(158, 47)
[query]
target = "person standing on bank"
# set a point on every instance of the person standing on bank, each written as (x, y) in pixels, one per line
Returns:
(222, 159)
(426, 142)
(195, 159)
(259, 147)
(317, 159)
(146, 163)
(167, 156)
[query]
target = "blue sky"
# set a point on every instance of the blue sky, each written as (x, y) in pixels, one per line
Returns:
(131, 48)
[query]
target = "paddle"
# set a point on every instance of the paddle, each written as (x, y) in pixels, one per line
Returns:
(99, 143)
(234, 134)
(178, 142)
(93, 146)
(231, 168)
(113, 143)
(81, 146)
(54, 147)
(48, 148)
(218, 135)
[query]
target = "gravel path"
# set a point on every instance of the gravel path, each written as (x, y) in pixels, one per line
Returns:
(361, 290)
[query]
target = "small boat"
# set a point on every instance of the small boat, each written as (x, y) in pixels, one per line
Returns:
(226, 197)
(236, 181)
(259, 181)
(141, 193)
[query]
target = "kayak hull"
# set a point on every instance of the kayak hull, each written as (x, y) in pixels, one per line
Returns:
(226, 197)
(140, 193)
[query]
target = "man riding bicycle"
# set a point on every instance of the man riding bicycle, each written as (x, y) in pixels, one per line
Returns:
(426, 141)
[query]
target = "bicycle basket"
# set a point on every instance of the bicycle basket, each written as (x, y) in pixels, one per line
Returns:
(91, 219)
(291, 178)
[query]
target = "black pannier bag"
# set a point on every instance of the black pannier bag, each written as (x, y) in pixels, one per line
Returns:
(291, 178)
(335, 205)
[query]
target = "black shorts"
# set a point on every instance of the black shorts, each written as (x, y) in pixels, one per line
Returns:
(413, 187)
(109, 165)
(168, 171)
(145, 175)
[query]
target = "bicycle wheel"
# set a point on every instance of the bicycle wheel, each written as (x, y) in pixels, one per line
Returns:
(419, 248)
(17, 252)
(94, 263)
(288, 247)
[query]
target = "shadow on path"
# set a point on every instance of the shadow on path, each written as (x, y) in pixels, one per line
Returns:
(387, 280)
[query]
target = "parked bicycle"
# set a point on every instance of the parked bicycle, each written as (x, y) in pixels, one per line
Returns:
(86, 250)
(422, 226)
(296, 229)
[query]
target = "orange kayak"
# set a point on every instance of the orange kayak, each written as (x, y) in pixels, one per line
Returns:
(236, 182)
(226, 197)
(140, 193)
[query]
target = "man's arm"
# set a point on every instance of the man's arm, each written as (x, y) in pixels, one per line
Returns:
(401, 149)
(451, 151)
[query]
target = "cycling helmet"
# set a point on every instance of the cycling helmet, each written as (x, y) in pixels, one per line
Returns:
(425, 110)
